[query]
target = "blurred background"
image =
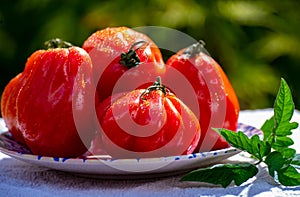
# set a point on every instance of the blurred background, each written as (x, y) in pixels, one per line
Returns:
(256, 42)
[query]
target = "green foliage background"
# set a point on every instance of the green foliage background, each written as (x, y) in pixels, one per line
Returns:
(256, 42)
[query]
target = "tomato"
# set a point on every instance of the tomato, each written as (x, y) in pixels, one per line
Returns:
(39, 105)
(8, 107)
(217, 104)
(150, 122)
(119, 50)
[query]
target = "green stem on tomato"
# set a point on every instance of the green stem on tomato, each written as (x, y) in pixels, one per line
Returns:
(195, 49)
(157, 85)
(131, 59)
(57, 43)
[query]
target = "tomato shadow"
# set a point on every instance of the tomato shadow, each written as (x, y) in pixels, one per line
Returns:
(26, 176)
(264, 183)
(18, 176)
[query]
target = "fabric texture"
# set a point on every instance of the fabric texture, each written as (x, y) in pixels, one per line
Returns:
(21, 179)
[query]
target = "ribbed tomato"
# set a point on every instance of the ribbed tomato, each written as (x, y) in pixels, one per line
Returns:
(38, 105)
(148, 122)
(123, 52)
(217, 104)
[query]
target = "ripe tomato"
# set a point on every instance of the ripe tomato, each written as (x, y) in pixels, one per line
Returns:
(148, 122)
(8, 107)
(119, 50)
(218, 106)
(39, 104)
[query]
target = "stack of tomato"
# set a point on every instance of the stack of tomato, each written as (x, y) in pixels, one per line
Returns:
(115, 95)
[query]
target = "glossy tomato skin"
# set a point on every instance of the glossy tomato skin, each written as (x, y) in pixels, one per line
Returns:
(106, 48)
(153, 125)
(218, 105)
(8, 107)
(54, 87)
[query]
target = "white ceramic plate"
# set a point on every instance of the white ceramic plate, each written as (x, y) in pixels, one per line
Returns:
(120, 168)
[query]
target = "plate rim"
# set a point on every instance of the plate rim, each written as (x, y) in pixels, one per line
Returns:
(56, 163)
(206, 154)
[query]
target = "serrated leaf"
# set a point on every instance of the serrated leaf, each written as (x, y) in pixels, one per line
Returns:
(284, 128)
(223, 174)
(275, 162)
(252, 145)
(282, 161)
(284, 105)
(236, 139)
(259, 148)
(282, 142)
(296, 161)
(287, 153)
(289, 176)
(267, 128)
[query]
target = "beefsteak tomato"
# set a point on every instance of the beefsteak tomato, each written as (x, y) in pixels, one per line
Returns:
(39, 104)
(119, 50)
(217, 106)
(150, 122)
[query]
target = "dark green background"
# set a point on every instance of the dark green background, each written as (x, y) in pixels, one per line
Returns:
(256, 42)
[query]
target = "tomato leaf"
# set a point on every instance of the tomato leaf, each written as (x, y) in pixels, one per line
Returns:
(284, 105)
(287, 153)
(253, 145)
(267, 128)
(223, 174)
(289, 176)
(296, 161)
(282, 127)
(283, 170)
(282, 142)
(275, 162)
(274, 149)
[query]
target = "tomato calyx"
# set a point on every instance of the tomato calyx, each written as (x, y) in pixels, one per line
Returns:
(131, 59)
(195, 49)
(57, 43)
(157, 85)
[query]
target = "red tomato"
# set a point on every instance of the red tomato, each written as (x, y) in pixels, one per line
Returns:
(119, 50)
(217, 106)
(8, 107)
(39, 105)
(148, 123)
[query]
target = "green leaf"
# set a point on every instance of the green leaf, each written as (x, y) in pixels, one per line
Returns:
(275, 162)
(296, 161)
(274, 150)
(267, 128)
(289, 176)
(252, 145)
(284, 128)
(223, 174)
(276, 132)
(282, 142)
(284, 105)
(287, 153)
(259, 148)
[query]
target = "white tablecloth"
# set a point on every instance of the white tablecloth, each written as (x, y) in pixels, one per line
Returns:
(21, 179)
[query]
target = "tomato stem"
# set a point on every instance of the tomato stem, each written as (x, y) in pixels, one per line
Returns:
(57, 43)
(131, 59)
(157, 85)
(195, 49)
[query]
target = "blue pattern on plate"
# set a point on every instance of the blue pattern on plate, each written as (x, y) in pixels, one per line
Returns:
(7, 142)
(10, 144)
(56, 159)
(249, 130)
